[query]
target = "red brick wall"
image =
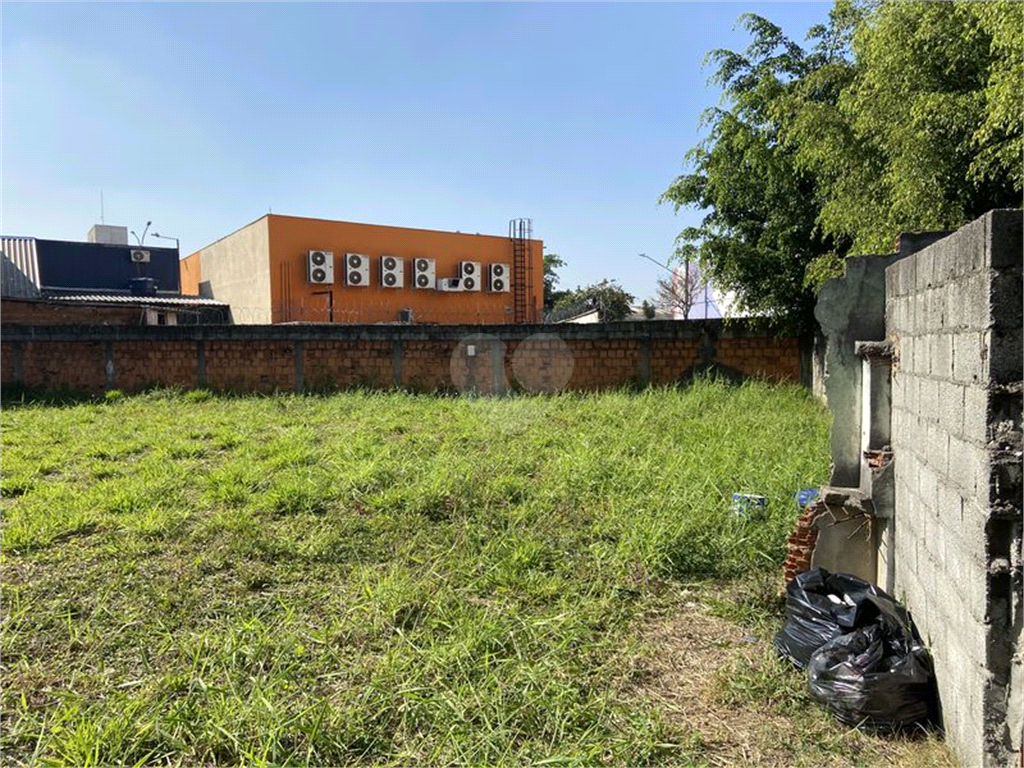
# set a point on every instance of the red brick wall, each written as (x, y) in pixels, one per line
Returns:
(334, 364)
(141, 364)
(26, 312)
(545, 363)
(770, 358)
(61, 365)
(250, 366)
(7, 362)
(427, 365)
(800, 545)
(264, 359)
(604, 364)
(669, 357)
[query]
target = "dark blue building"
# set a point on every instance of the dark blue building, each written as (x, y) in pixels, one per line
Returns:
(69, 266)
(143, 280)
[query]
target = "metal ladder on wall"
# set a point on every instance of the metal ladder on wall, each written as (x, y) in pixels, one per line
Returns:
(520, 232)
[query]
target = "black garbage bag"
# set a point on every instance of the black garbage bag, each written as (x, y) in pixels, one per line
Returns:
(821, 606)
(879, 676)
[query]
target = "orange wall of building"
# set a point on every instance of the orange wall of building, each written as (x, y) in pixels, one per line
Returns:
(190, 275)
(294, 298)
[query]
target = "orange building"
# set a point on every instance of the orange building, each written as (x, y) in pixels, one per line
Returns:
(281, 269)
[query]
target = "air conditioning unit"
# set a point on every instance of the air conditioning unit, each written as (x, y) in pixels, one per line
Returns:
(320, 267)
(470, 271)
(392, 271)
(450, 284)
(140, 257)
(357, 270)
(500, 278)
(424, 273)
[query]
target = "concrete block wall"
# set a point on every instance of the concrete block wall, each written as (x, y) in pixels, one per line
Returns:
(953, 313)
(425, 358)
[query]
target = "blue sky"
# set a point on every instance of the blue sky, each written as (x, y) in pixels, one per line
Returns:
(457, 116)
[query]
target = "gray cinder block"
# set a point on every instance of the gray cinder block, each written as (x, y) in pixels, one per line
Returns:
(942, 356)
(1006, 355)
(970, 355)
(1006, 297)
(1004, 246)
(951, 407)
(975, 415)
(929, 404)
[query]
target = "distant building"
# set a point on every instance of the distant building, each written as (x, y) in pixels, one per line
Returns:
(103, 280)
(292, 269)
(590, 314)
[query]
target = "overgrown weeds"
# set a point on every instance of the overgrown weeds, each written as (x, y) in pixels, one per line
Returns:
(372, 578)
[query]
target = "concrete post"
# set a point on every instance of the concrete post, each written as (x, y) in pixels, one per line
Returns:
(109, 367)
(299, 365)
(644, 374)
(497, 367)
(201, 363)
(396, 363)
(17, 364)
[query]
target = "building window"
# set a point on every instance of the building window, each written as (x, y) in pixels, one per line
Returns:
(155, 317)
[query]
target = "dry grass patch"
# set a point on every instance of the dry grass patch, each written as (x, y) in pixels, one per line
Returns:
(722, 682)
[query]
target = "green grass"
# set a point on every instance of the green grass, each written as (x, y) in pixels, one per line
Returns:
(371, 578)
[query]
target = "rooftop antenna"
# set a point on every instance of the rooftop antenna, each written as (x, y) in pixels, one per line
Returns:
(101, 206)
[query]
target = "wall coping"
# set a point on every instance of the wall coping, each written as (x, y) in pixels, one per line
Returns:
(640, 330)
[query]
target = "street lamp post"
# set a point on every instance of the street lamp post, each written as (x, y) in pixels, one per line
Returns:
(645, 256)
(142, 239)
(177, 245)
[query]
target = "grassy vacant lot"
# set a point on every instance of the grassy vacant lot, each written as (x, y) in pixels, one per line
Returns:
(398, 579)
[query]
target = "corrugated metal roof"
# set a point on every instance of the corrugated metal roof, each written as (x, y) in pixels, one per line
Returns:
(19, 268)
(107, 298)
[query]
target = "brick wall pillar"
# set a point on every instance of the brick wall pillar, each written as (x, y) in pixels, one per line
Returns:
(800, 545)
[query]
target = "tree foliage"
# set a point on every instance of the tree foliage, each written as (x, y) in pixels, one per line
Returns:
(759, 231)
(927, 133)
(552, 262)
(897, 116)
(611, 300)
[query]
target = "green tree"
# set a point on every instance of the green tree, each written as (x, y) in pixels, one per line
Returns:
(899, 116)
(611, 301)
(552, 261)
(759, 231)
(1000, 138)
(927, 132)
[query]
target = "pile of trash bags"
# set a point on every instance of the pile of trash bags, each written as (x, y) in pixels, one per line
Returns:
(864, 658)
